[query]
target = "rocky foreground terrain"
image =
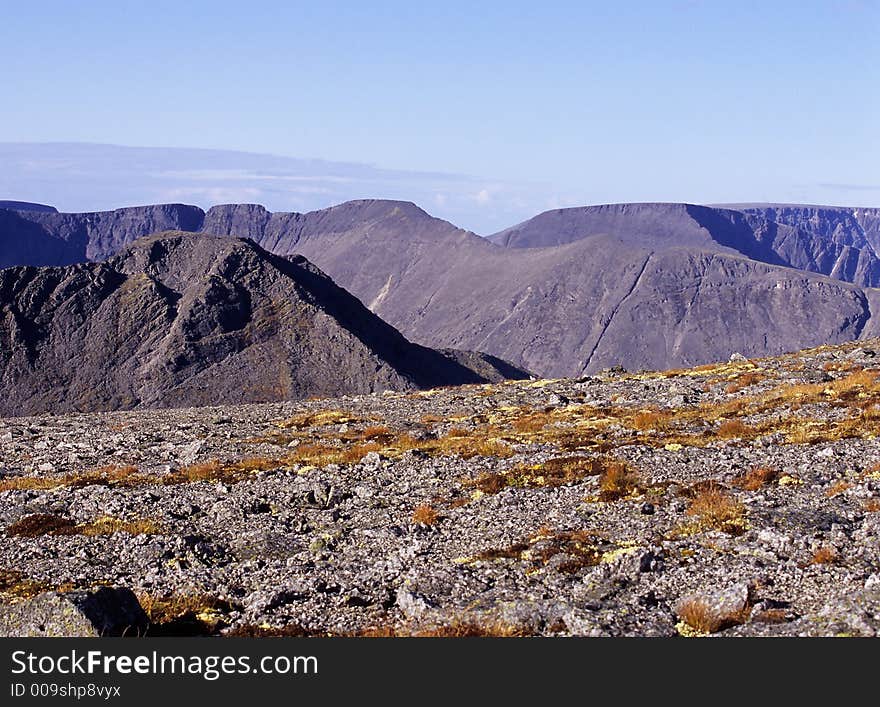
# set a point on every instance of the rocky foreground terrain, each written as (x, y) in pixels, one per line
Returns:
(741, 498)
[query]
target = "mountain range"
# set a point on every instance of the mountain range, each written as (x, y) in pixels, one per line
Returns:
(182, 319)
(566, 293)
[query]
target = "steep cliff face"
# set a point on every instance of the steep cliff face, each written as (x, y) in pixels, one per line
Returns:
(843, 243)
(183, 319)
(51, 238)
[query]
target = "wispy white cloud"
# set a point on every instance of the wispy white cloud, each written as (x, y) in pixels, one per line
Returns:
(851, 187)
(216, 195)
(87, 177)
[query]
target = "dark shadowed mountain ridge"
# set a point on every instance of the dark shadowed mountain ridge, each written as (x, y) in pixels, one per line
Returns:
(180, 319)
(52, 238)
(26, 206)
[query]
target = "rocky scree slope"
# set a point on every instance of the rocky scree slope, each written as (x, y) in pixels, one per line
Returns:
(184, 319)
(739, 498)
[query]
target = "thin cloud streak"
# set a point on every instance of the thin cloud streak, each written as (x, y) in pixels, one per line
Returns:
(89, 177)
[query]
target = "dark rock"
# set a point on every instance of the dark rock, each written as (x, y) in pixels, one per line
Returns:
(650, 562)
(103, 612)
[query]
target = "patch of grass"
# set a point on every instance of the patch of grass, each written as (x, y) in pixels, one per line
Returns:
(425, 515)
(39, 524)
(315, 454)
(732, 429)
(377, 433)
(532, 422)
(110, 475)
(744, 380)
(771, 616)
(837, 488)
(580, 548)
(557, 471)
(756, 478)
(651, 420)
(352, 455)
(825, 555)
(219, 471)
(468, 629)
(109, 525)
(289, 631)
(837, 366)
(617, 481)
(194, 614)
(15, 584)
(702, 618)
(458, 441)
(716, 510)
(490, 482)
(479, 448)
(871, 505)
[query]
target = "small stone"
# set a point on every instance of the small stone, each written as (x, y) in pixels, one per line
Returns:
(412, 605)
(357, 600)
(187, 453)
(650, 562)
(372, 461)
(647, 509)
(737, 357)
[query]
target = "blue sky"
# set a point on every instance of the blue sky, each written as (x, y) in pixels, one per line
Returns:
(524, 106)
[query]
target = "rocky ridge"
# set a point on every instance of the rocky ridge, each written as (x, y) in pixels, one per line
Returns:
(181, 319)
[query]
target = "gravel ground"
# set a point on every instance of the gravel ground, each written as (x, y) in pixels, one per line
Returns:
(737, 499)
